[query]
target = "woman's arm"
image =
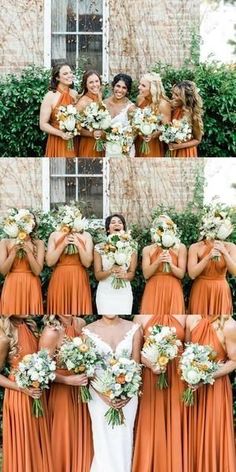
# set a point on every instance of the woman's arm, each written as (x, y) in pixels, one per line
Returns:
(129, 274)
(45, 114)
(229, 254)
(179, 269)
(99, 273)
(195, 268)
(55, 248)
(85, 252)
(137, 345)
(229, 332)
(7, 257)
(36, 263)
(149, 268)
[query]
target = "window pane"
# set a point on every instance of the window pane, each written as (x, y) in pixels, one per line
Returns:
(64, 49)
(64, 15)
(90, 191)
(90, 15)
(90, 48)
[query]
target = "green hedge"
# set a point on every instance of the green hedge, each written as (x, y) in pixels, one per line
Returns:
(21, 96)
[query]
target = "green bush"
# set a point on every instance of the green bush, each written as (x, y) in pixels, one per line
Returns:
(217, 89)
(21, 96)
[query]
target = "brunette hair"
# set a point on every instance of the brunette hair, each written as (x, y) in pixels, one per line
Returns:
(86, 75)
(109, 218)
(55, 74)
(191, 100)
(126, 79)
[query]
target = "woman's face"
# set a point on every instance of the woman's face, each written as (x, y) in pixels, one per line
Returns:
(115, 225)
(93, 84)
(120, 90)
(176, 97)
(65, 76)
(144, 88)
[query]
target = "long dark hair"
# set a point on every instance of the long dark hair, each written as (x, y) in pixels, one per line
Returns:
(109, 218)
(87, 74)
(55, 75)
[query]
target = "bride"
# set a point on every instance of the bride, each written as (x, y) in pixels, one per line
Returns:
(113, 336)
(111, 300)
(118, 104)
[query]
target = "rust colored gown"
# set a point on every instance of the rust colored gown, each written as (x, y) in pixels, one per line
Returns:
(26, 440)
(210, 293)
(163, 293)
(177, 114)
(209, 434)
(21, 294)
(70, 426)
(159, 431)
(156, 146)
(56, 146)
(86, 144)
(69, 290)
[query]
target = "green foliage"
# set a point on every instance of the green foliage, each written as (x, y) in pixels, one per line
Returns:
(21, 96)
(217, 88)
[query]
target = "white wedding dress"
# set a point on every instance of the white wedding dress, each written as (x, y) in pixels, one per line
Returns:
(110, 300)
(121, 119)
(113, 447)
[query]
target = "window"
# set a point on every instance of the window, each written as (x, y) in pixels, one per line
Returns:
(76, 179)
(78, 33)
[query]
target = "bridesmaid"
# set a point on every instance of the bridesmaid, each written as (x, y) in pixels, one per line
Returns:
(21, 294)
(187, 103)
(69, 290)
(26, 440)
(209, 436)
(163, 293)
(210, 293)
(110, 300)
(69, 419)
(60, 93)
(91, 92)
(159, 428)
(152, 95)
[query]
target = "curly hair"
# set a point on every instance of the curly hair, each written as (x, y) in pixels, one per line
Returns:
(191, 100)
(157, 90)
(10, 330)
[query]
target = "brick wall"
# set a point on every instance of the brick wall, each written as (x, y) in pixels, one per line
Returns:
(141, 32)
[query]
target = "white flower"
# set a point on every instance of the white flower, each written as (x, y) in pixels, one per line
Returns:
(120, 258)
(105, 123)
(69, 123)
(11, 230)
(146, 128)
(79, 224)
(71, 110)
(192, 376)
(224, 230)
(113, 149)
(77, 341)
(168, 239)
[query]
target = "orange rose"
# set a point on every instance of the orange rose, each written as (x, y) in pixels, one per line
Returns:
(120, 379)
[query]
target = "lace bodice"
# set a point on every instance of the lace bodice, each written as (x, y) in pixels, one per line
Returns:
(124, 347)
(122, 117)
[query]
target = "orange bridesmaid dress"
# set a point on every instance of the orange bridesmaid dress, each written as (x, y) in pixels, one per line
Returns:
(26, 440)
(210, 293)
(163, 293)
(71, 436)
(155, 145)
(56, 146)
(21, 294)
(178, 114)
(158, 439)
(69, 290)
(209, 434)
(86, 144)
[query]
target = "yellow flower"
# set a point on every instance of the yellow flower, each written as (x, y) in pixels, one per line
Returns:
(81, 368)
(26, 358)
(65, 229)
(113, 361)
(163, 360)
(22, 235)
(83, 348)
(35, 384)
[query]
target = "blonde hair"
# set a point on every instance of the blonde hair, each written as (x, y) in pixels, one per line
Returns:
(157, 90)
(11, 332)
(191, 100)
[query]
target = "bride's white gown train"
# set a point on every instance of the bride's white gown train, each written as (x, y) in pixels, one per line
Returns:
(113, 301)
(113, 447)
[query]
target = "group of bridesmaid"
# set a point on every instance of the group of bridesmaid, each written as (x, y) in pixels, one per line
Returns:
(186, 103)
(166, 436)
(69, 288)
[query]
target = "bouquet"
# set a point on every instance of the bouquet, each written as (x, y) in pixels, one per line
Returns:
(18, 224)
(178, 131)
(197, 364)
(120, 380)
(70, 220)
(79, 356)
(36, 371)
(119, 140)
(161, 347)
(164, 233)
(118, 249)
(95, 117)
(67, 118)
(145, 122)
(216, 224)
